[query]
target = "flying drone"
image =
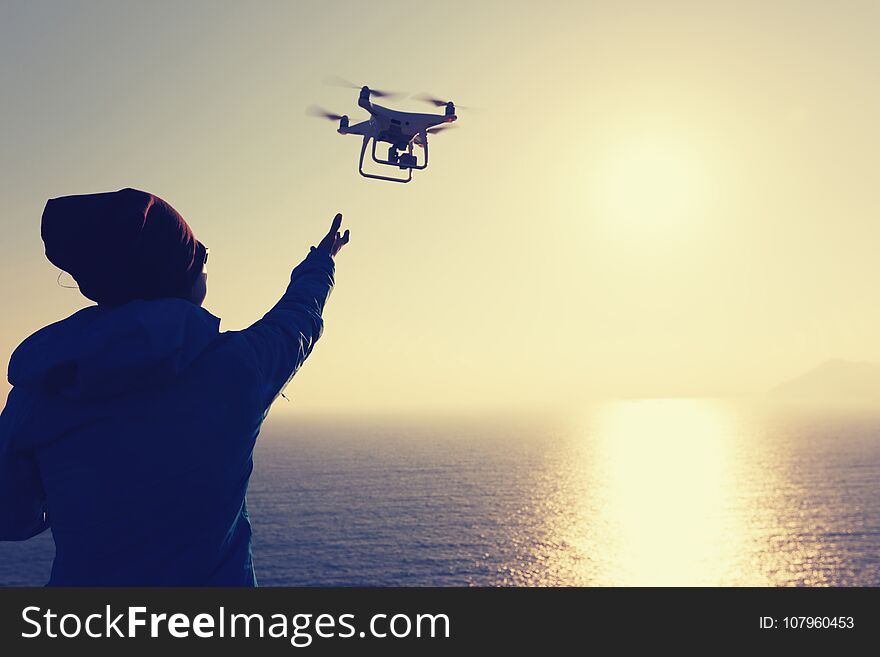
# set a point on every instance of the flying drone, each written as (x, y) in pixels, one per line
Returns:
(401, 130)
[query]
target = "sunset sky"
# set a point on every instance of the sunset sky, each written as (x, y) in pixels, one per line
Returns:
(646, 199)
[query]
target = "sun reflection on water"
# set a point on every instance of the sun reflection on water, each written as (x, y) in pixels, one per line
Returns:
(666, 476)
(662, 493)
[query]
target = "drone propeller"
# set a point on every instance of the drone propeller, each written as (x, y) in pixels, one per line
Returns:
(320, 112)
(436, 102)
(336, 81)
(432, 131)
(439, 128)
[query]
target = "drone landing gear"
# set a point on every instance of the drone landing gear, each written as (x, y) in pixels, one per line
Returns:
(404, 161)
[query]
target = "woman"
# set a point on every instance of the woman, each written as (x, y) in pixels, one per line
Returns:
(131, 424)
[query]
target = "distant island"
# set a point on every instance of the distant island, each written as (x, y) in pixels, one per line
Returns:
(834, 380)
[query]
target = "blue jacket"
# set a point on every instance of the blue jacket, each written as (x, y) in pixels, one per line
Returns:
(130, 430)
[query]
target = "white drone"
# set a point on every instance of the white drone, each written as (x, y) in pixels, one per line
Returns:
(402, 130)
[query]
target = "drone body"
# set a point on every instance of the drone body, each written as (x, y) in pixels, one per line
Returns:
(401, 130)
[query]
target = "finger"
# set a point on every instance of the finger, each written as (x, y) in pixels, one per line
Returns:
(334, 228)
(341, 242)
(337, 222)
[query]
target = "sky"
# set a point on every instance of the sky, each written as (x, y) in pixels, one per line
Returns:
(644, 199)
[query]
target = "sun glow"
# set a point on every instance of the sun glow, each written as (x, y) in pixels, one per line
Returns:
(651, 182)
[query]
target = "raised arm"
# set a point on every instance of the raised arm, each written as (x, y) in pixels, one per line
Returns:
(286, 335)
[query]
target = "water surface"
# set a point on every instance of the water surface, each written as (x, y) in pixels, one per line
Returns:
(665, 492)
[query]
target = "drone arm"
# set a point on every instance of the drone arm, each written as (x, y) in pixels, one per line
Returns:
(357, 129)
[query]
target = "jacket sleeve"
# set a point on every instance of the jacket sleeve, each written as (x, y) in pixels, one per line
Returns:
(22, 500)
(285, 336)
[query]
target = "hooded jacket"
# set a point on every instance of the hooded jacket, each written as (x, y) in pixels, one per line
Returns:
(130, 429)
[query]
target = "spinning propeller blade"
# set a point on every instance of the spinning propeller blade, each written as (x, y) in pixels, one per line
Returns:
(439, 128)
(336, 81)
(433, 131)
(320, 112)
(436, 102)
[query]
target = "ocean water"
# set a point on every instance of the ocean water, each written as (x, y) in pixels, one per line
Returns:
(656, 492)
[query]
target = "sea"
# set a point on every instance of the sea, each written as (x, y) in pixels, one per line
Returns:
(664, 492)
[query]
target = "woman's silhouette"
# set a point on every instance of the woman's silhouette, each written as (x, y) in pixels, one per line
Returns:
(130, 427)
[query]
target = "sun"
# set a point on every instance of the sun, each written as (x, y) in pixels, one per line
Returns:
(651, 183)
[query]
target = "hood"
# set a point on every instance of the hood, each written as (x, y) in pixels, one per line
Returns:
(106, 351)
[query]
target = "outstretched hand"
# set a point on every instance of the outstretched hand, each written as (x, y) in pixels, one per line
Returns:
(334, 241)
